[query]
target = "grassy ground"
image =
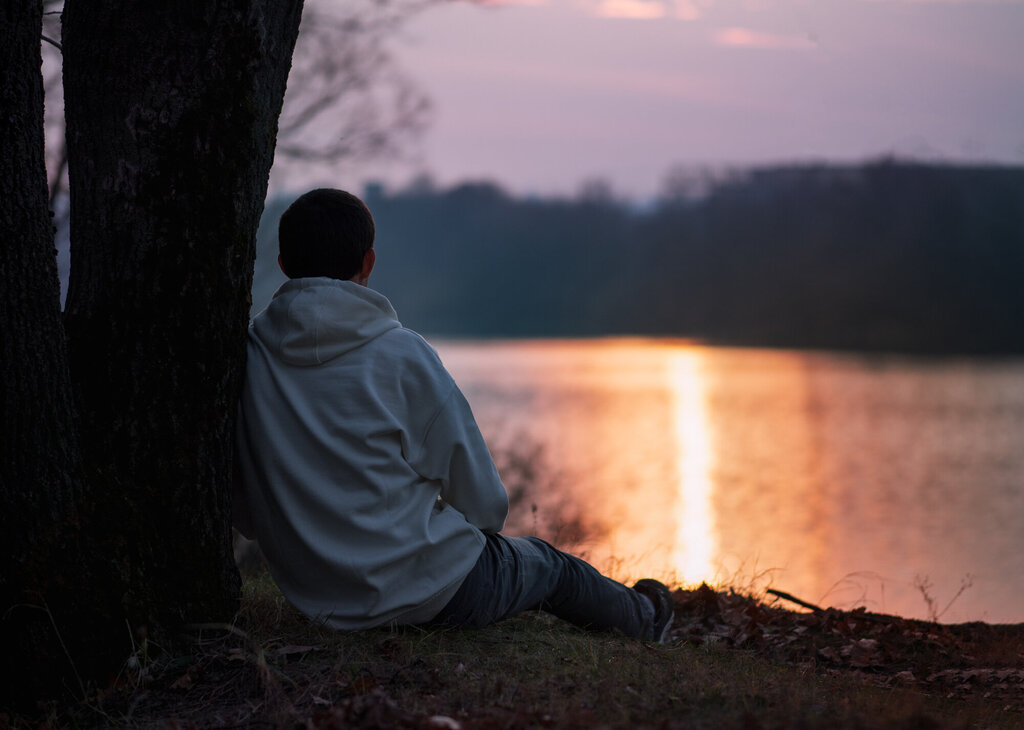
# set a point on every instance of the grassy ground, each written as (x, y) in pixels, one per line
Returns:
(733, 663)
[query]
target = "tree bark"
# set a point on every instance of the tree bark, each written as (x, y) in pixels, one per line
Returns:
(171, 112)
(51, 599)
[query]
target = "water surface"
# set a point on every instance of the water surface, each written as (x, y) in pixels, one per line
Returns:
(846, 480)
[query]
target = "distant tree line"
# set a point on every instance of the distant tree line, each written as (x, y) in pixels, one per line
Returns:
(885, 256)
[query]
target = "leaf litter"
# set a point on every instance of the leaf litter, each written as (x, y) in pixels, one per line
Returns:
(950, 659)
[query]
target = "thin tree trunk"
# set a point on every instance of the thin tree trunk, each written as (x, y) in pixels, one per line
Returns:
(171, 121)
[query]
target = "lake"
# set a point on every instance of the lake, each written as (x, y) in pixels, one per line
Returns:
(890, 482)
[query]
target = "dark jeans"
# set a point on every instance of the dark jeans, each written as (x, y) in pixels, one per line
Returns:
(516, 574)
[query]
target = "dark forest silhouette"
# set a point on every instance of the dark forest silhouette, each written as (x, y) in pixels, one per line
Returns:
(885, 256)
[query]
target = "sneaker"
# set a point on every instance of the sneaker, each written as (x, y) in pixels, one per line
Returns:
(658, 594)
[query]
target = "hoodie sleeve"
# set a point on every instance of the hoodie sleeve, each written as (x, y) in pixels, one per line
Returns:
(453, 452)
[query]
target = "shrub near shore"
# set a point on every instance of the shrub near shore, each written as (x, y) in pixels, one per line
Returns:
(734, 662)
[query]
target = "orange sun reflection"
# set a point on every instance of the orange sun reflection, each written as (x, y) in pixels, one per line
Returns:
(695, 541)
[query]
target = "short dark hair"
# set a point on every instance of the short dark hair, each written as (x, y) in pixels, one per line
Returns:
(325, 232)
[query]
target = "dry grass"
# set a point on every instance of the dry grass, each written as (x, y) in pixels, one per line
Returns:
(273, 668)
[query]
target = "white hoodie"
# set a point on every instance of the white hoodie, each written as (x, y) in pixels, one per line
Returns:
(363, 474)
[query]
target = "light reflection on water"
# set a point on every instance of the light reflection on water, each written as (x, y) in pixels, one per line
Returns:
(841, 479)
(693, 557)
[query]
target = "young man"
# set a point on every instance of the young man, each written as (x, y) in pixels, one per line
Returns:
(363, 475)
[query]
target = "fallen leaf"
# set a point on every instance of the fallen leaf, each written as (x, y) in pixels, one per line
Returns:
(184, 682)
(293, 649)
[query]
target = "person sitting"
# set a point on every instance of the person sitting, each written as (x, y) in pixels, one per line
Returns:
(362, 473)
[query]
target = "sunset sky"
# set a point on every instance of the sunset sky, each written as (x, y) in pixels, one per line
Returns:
(540, 95)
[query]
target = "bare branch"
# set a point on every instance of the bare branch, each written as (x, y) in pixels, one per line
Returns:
(347, 98)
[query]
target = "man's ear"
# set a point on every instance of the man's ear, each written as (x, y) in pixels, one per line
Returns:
(281, 264)
(369, 259)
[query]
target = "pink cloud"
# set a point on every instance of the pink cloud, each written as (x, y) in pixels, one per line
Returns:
(951, 2)
(687, 10)
(533, 3)
(632, 9)
(646, 9)
(746, 38)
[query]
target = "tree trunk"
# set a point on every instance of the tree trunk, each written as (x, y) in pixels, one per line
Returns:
(171, 113)
(51, 600)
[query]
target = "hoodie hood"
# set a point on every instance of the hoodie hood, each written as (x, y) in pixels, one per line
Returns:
(310, 321)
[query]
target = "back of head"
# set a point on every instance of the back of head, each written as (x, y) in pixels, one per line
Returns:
(325, 232)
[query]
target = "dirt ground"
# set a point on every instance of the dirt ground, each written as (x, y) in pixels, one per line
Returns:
(732, 662)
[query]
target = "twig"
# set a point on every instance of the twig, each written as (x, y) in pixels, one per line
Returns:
(818, 610)
(793, 599)
(60, 639)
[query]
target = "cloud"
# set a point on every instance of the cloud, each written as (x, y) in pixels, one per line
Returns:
(950, 2)
(688, 10)
(514, 2)
(647, 9)
(747, 38)
(633, 9)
